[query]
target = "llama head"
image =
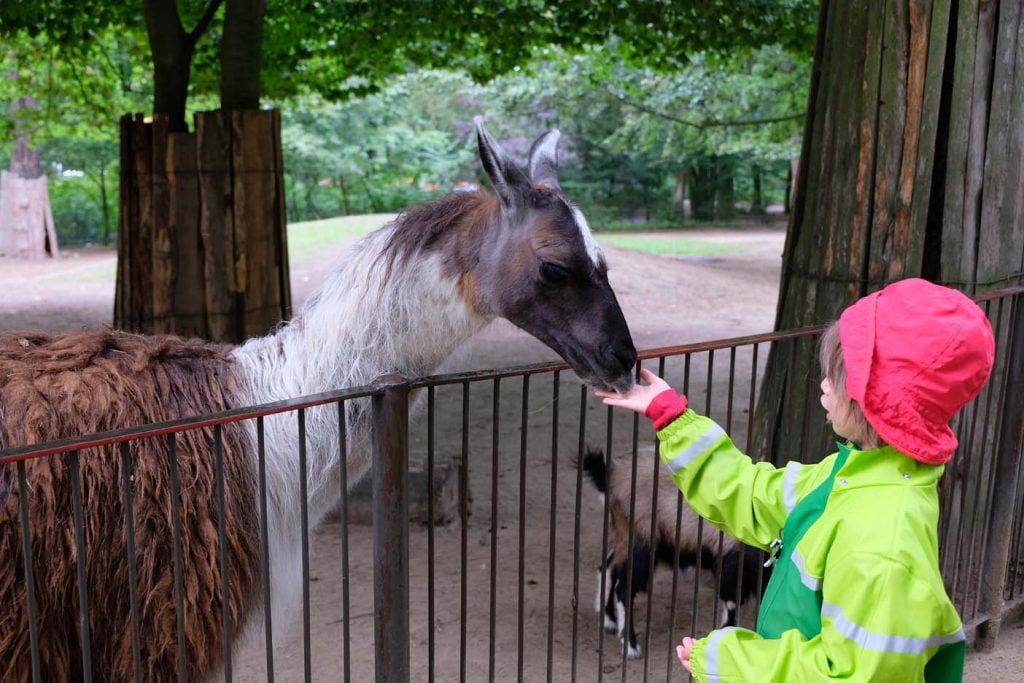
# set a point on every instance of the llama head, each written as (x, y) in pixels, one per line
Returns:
(541, 269)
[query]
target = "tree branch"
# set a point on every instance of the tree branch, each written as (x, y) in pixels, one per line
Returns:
(702, 125)
(204, 21)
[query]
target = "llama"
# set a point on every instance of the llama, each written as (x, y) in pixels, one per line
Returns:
(615, 484)
(403, 298)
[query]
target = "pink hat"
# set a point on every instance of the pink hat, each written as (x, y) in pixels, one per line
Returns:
(915, 354)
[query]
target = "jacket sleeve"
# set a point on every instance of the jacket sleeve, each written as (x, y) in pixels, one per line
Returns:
(868, 633)
(747, 500)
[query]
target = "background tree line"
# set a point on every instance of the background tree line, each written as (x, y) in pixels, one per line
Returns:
(720, 132)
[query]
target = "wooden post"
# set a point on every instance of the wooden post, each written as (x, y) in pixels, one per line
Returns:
(202, 245)
(911, 167)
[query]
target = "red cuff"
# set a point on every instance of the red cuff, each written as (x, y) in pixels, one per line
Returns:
(665, 408)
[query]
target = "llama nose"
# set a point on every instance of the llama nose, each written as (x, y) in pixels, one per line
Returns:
(622, 354)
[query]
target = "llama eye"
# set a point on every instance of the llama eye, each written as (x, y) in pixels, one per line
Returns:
(554, 273)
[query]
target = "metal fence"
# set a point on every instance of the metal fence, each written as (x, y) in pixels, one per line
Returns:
(501, 588)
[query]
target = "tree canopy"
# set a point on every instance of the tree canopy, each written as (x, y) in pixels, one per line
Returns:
(336, 49)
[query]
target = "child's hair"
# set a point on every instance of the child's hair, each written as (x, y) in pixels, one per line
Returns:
(833, 368)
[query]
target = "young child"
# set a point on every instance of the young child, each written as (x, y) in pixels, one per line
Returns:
(856, 593)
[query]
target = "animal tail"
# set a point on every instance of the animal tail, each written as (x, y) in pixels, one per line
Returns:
(595, 469)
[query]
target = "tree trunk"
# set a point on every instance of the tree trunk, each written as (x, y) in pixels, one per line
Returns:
(927, 99)
(202, 247)
(241, 54)
(702, 188)
(679, 194)
(172, 50)
(725, 193)
(105, 203)
(757, 203)
(26, 219)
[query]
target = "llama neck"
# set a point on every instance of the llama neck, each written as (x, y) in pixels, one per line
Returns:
(363, 322)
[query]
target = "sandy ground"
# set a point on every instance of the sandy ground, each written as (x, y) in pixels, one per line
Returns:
(518, 601)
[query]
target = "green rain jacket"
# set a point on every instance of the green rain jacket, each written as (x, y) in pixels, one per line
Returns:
(856, 593)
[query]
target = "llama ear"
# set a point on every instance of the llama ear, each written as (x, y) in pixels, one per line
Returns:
(506, 177)
(544, 159)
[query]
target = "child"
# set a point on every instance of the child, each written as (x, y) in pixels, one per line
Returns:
(856, 593)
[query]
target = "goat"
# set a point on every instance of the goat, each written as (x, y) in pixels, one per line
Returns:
(614, 483)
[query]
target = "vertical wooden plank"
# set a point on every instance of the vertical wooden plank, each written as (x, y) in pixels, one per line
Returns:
(123, 221)
(142, 235)
(1001, 239)
(189, 282)
(256, 219)
(281, 223)
(162, 279)
(928, 154)
(892, 111)
(216, 221)
(244, 194)
(1013, 208)
(908, 244)
(976, 147)
(956, 153)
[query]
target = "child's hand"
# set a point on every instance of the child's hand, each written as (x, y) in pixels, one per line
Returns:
(639, 397)
(683, 652)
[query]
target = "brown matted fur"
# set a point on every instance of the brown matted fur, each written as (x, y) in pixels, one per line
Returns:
(53, 387)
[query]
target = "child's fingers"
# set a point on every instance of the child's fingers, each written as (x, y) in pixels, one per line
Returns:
(648, 376)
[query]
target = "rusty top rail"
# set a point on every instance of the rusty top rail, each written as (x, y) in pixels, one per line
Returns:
(184, 424)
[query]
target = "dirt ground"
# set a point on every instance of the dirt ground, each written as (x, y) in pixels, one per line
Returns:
(519, 596)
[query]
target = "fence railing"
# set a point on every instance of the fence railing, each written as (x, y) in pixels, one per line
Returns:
(493, 586)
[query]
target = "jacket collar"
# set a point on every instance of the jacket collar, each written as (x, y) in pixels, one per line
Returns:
(884, 466)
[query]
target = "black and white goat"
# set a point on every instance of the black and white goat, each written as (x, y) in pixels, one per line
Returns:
(741, 565)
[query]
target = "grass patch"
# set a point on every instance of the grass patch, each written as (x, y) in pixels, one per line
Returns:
(671, 245)
(309, 238)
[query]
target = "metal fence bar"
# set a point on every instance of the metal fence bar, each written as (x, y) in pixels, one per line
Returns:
(391, 529)
(576, 532)
(979, 537)
(127, 478)
(496, 405)
(552, 523)
(630, 626)
(83, 589)
(1016, 567)
(225, 592)
(307, 655)
(346, 615)
(521, 598)
(30, 582)
(651, 554)
(464, 532)
(179, 588)
(605, 587)
(430, 533)
(268, 619)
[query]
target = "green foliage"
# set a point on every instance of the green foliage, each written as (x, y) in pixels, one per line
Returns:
(77, 211)
(401, 145)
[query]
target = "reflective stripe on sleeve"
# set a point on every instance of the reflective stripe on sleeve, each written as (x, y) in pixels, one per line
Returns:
(711, 654)
(881, 642)
(805, 578)
(694, 450)
(789, 485)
